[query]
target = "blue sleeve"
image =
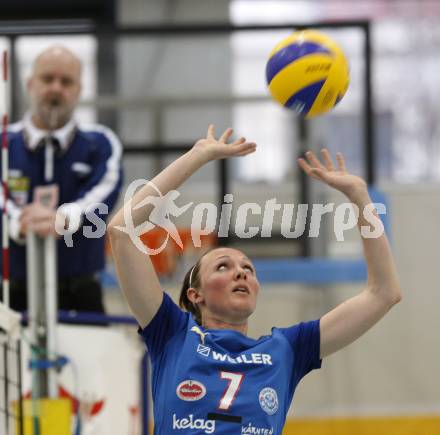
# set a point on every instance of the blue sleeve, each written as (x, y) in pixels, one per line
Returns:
(305, 341)
(105, 180)
(167, 322)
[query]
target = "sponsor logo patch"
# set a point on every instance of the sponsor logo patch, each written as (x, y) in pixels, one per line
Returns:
(268, 399)
(252, 358)
(190, 390)
(203, 350)
(18, 188)
(193, 423)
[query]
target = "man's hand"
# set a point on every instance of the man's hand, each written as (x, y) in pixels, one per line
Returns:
(39, 219)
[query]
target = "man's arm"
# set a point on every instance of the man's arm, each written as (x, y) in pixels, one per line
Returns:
(104, 182)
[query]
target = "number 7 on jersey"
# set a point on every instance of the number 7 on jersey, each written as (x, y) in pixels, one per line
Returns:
(235, 380)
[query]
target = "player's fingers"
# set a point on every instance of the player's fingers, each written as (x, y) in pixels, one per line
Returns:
(238, 147)
(226, 135)
(341, 162)
(245, 153)
(245, 149)
(328, 162)
(313, 160)
(211, 131)
(242, 146)
(318, 173)
(304, 166)
(238, 141)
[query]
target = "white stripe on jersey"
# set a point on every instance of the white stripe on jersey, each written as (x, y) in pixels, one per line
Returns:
(108, 182)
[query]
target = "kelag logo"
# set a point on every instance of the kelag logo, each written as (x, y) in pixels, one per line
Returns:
(191, 423)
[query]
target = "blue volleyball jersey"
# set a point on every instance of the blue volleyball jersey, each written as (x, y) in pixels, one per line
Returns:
(220, 381)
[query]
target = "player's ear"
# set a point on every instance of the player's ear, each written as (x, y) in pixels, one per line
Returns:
(194, 295)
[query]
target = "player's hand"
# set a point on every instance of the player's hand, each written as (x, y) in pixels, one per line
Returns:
(214, 149)
(38, 219)
(337, 177)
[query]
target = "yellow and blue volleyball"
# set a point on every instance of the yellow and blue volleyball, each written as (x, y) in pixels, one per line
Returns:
(308, 73)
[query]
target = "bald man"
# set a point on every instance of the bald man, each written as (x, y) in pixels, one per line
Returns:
(58, 165)
(54, 87)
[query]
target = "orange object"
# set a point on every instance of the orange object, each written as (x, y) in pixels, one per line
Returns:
(165, 262)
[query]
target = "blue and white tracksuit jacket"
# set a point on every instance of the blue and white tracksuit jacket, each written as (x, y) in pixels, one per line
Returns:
(86, 167)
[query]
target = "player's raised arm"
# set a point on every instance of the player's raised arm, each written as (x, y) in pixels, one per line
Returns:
(354, 317)
(135, 271)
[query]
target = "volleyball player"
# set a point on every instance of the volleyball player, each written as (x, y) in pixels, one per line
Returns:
(208, 375)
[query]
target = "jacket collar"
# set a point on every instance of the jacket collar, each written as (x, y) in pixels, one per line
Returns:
(34, 135)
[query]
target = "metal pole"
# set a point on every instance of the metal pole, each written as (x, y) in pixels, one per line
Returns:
(36, 305)
(304, 184)
(369, 132)
(42, 281)
(50, 287)
(50, 265)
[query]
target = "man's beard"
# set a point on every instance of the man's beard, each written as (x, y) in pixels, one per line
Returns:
(53, 114)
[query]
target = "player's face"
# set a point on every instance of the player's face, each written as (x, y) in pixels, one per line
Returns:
(54, 89)
(229, 286)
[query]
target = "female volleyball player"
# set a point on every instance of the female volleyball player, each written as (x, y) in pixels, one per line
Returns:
(208, 376)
